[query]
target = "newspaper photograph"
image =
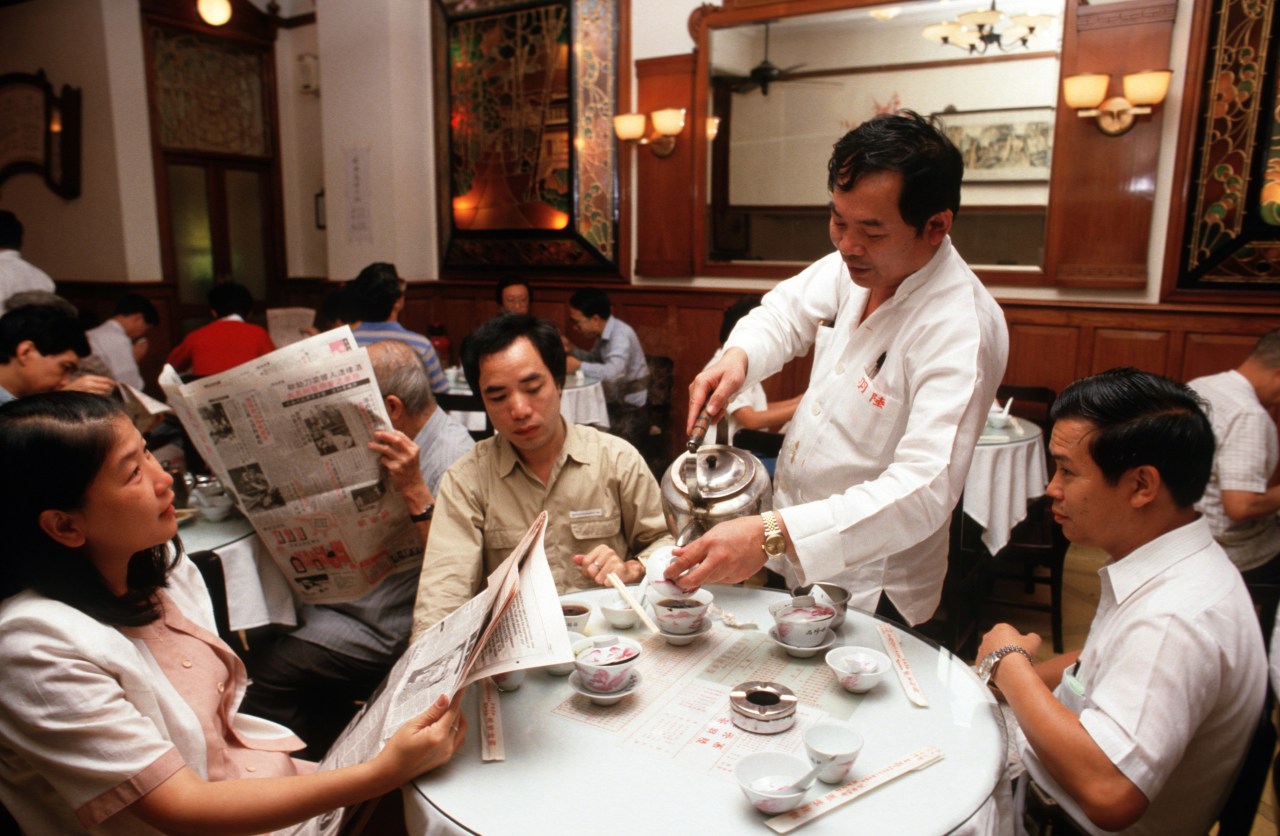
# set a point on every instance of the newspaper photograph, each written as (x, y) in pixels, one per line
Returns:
(287, 435)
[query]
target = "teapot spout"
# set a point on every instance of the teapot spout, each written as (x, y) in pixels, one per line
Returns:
(689, 533)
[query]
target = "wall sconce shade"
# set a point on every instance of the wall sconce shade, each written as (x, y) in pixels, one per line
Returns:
(713, 127)
(667, 124)
(1148, 87)
(1086, 90)
(1087, 93)
(214, 12)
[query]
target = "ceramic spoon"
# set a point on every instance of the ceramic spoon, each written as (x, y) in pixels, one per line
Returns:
(775, 783)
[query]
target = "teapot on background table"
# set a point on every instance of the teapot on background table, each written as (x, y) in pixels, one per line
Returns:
(710, 484)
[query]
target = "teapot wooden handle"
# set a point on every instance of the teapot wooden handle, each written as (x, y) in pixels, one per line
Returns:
(699, 433)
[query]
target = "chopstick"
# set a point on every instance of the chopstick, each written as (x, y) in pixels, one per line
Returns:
(617, 584)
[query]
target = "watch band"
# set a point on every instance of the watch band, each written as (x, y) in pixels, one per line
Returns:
(425, 514)
(987, 668)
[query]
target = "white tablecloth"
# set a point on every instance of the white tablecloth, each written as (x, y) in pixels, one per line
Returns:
(579, 404)
(1007, 472)
(257, 594)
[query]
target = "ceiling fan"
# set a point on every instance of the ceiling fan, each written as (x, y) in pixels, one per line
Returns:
(761, 75)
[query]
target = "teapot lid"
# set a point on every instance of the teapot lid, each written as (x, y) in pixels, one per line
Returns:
(722, 471)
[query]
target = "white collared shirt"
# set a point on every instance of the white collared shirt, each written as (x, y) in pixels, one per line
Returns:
(18, 276)
(110, 343)
(1246, 456)
(1170, 681)
(874, 463)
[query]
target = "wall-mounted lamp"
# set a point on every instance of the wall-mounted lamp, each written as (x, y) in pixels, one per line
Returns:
(1087, 93)
(214, 12)
(667, 124)
(713, 127)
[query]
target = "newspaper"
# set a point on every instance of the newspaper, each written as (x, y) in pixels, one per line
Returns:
(287, 326)
(515, 622)
(287, 434)
(143, 410)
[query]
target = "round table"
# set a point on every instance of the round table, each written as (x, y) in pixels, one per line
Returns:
(1007, 472)
(661, 760)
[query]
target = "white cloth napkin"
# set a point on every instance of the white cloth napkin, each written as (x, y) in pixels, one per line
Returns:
(257, 594)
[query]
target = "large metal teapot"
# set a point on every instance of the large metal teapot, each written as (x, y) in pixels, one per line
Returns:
(710, 484)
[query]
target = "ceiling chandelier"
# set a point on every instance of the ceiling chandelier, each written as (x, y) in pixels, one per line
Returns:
(975, 32)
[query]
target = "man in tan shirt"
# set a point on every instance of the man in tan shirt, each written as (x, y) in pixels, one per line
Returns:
(604, 505)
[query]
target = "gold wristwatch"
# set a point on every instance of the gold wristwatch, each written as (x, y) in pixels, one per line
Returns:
(775, 545)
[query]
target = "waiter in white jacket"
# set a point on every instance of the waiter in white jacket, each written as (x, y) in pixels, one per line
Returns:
(909, 349)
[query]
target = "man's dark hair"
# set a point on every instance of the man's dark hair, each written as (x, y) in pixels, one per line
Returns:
(504, 329)
(509, 281)
(58, 442)
(10, 231)
(230, 298)
(591, 301)
(136, 303)
(376, 290)
(339, 307)
(1143, 418)
(734, 312)
(916, 148)
(51, 328)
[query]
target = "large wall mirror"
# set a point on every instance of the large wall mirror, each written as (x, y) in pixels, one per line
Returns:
(785, 88)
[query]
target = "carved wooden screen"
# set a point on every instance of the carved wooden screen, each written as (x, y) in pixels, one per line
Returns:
(1231, 232)
(530, 178)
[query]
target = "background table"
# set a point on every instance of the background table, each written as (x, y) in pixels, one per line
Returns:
(257, 594)
(649, 764)
(581, 402)
(1007, 472)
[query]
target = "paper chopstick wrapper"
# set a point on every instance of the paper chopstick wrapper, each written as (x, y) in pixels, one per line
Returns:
(807, 812)
(889, 639)
(491, 745)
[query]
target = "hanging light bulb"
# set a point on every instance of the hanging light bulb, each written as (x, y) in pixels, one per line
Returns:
(214, 12)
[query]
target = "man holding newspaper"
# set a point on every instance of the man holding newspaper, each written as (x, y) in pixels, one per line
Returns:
(604, 505)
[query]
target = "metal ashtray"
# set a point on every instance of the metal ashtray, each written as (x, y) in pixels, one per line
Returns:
(763, 707)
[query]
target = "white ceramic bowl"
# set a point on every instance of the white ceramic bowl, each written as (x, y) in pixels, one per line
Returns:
(848, 665)
(683, 614)
(681, 639)
(755, 771)
(658, 562)
(828, 641)
(576, 616)
(827, 593)
(619, 613)
(998, 420)
(565, 668)
(604, 663)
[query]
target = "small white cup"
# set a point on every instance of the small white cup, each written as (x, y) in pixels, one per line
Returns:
(834, 744)
(802, 622)
(604, 663)
(509, 681)
(683, 615)
(619, 613)
(576, 615)
(758, 771)
(213, 507)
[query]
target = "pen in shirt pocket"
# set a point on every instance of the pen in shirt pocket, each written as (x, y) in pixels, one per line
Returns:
(1076, 686)
(874, 369)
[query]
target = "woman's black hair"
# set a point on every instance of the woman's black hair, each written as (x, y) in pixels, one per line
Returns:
(52, 446)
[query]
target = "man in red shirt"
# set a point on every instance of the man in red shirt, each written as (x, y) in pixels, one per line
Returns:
(226, 342)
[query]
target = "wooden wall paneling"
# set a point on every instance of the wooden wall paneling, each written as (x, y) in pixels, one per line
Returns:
(665, 186)
(1042, 355)
(1146, 350)
(1102, 187)
(1212, 353)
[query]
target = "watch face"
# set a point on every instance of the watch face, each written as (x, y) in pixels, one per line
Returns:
(775, 544)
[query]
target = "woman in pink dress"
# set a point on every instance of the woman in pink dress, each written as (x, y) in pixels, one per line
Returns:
(119, 712)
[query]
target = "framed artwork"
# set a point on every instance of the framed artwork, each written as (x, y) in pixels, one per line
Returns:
(1004, 145)
(529, 171)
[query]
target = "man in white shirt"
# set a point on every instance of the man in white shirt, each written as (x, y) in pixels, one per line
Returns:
(616, 358)
(909, 348)
(16, 275)
(1143, 729)
(1240, 502)
(120, 342)
(40, 348)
